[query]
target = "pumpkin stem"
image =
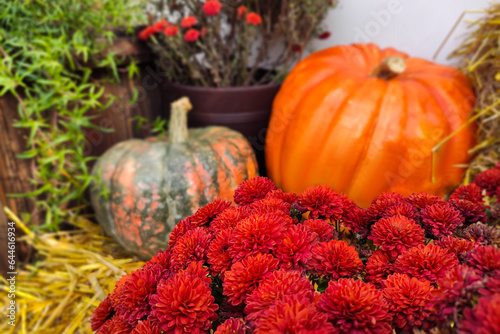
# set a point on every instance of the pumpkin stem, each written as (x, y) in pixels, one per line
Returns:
(178, 130)
(390, 68)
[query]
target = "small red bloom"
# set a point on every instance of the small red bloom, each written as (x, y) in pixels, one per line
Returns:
(253, 190)
(179, 230)
(212, 7)
(396, 234)
(218, 255)
(229, 218)
(188, 21)
(245, 275)
(335, 259)
(428, 262)
(409, 300)
(297, 48)
(472, 212)
(270, 205)
(322, 228)
(241, 11)
(441, 219)
(456, 246)
(196, 269)
(203, 32)
(324, 35)
(146, 32)
(470, 192)
(191, 35)
(116, 295)
(274, 287)
(160, 25)
(422, 200)
(191, 247)
(484, 318)
(146, 327)
(279, 194)
(171, 30)
(101, 314)
(321, 201)
(162, 258)
(254, 18)
(378, 268)
(293, 314)
(355, 307)
(183, 304)
(402, 209)
(488, 180)
(115, 326)
(380, 204)
(485, 260)
(356, 221)
(205, 215)
(295, 249)
(232, 326)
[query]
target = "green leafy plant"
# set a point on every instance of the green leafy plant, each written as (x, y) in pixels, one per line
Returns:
(49, 50)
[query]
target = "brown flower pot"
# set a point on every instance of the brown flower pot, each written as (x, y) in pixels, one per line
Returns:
(244, 109)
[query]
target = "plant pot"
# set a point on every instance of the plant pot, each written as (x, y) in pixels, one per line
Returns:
(244, 109)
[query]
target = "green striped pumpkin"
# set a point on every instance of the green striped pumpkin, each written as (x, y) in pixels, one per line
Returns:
(152, 184)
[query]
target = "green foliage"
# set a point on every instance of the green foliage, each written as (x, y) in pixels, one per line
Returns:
(49, 49)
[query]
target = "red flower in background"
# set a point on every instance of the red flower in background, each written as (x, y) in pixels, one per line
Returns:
(335, 259)
(232, 326)
(229, 218)
(409, 301)
(280, 283)
(191, 247)
(378, 268)
(245, 275)
(321, 201)
(115, 326)
(146, 32)
(488, 180)
(484, 318)
(279, 194)
(422, 200)
(396, 234)
(101, 314)
(171, 30)
(146, 327)
(295, 249)
(196, 269)
(191, 35)
(322, 228)
(456, 246)
(470, 192)
(402, 209)
(270, 205)
(188, 21)
(218, 254)
(472, 212)
(212, 7)
(297, 48)
(380, 204)
(181, 228)
(160, 25)
(355, 307)
(324, 35)
(253, 190)
(441, 219)
(207, 213)
(293, 314)
(183, 304)
(483, 234)
(241, 11)
(485, 260)
(428, 262)
(254, 18)
(356, 221)
(162, 258)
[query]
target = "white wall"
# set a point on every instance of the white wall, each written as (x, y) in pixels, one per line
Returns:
(417, 27)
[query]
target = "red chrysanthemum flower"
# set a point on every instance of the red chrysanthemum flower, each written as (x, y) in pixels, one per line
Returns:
(181, 228)
(470, 192)
(183, 304)
(171, 30)
(145, 33)
(396, 234)
(355, 307)
(196, 269)
(229, 218)
(218, 253)
(101, 314)
(402, 209)
(286, 197)
(191, 35)
(321, 201)
(380, 204)
(280, 283)
(293, 314)
(472, 212)
(212, 7)
(191, 247)
(115, 326)
(485, 260)
(488, 180)
(244, 276)
(254, 18)
(456, 246)
(162, 258)
(160, 25)
(205, 215)
(136, 293)
(335, 259)
(347, 204)
(423, 200)
(322, 228)
(295, 249)
(409, 301)
(455, 291)
(188, 21)
(483, 234)
(297, 48)
(270, 205)
(116, 295)
(146, 327)
(324, 35)
(378, 268)
(356, 220)
(256, 234)
(441, 219)
(484, 318)
(241, 11)
(232, 326)
(492, 285)
(253, 190)
(429, 262)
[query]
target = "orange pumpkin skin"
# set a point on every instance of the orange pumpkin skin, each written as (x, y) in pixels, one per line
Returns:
(333, 123)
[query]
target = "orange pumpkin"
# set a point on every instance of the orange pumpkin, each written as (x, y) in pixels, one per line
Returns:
(365, 121)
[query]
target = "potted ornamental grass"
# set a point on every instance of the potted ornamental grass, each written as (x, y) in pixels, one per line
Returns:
(229, 57)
